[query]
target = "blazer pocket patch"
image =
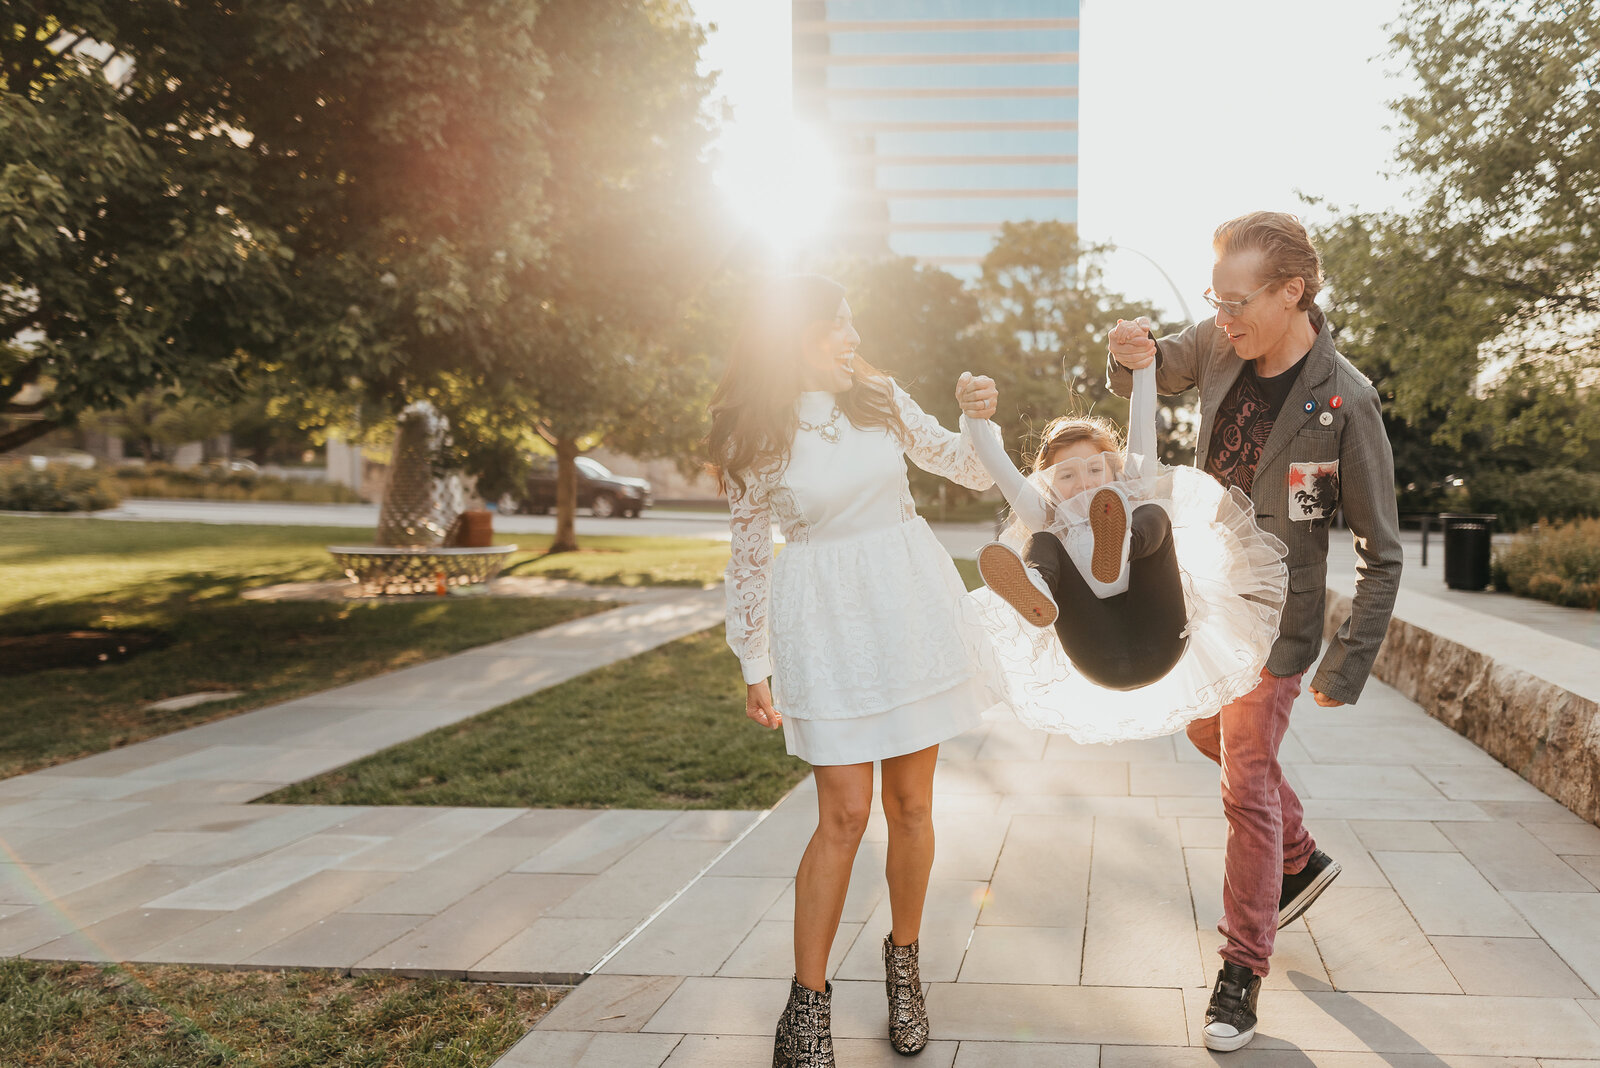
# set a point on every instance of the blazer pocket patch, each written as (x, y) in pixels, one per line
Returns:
(1313, 491)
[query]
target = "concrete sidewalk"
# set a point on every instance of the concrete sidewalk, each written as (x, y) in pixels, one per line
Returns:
(1569, 624)
(1070, 918)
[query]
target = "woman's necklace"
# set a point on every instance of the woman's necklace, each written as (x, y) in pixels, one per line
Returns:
(828, 430)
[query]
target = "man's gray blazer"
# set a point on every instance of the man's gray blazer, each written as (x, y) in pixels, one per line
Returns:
(1327, 449)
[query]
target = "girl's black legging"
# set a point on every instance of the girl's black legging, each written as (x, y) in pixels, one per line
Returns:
(1135, 637)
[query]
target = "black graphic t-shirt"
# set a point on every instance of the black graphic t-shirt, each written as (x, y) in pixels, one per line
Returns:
(1243, 422)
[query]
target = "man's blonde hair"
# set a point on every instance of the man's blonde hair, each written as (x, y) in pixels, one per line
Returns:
(1285, 247)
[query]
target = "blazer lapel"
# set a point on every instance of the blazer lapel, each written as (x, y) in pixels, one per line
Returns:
(1225, 371)
(1318, 369)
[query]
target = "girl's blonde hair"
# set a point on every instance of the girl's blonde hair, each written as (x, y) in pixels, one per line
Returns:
(1066, 430)
(1061, 432)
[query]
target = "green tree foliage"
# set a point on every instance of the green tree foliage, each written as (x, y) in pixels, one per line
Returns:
(1478, 313)
(330, 190)
(1046, 312)
(131, 253)
(400, 150)
(620, 319)
(154, 423)
(917, 323)
(495, 204)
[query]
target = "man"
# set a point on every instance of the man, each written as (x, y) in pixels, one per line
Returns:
(1292, 423)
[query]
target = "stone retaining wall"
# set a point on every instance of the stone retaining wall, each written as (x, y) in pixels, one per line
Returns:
(1544, 732)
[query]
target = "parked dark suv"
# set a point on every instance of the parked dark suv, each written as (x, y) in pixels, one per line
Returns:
(599, 490)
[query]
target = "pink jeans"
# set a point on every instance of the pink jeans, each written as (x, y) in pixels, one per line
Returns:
(1266, 837)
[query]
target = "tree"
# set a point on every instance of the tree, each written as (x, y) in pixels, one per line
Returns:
(622, 313)
(131, 256)
(495, 204)
(308, 190)
(1046, 313)
(916, 322)
(1502, 130)
(156, 423)
(1477, 315)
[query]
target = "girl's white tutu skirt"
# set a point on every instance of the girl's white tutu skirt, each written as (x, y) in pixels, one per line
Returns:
(1234, 584)
(874, 653)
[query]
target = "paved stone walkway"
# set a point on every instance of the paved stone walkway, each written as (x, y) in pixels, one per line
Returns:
(1069, 922)
(1070, 919)
(150, 853)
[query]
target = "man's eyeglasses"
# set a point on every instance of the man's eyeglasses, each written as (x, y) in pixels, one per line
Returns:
(1233, 307)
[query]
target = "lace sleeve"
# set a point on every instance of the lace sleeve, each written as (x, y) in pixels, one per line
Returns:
(940, 451)
(749, 578)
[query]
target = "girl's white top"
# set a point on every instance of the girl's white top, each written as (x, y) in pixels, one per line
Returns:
(829, 492)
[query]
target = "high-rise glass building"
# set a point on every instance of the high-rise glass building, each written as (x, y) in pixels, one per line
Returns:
(946, 118)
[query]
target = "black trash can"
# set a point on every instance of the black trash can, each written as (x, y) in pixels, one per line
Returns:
(1466, 550)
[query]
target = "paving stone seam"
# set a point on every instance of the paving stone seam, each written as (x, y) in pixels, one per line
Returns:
(648, 920)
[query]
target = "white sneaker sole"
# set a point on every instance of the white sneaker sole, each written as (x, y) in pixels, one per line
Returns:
(1005, 573)
(1227, 1045)
(1297, 908)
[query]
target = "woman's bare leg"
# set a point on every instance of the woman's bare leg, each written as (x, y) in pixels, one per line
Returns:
(844, 801)
(908, 806)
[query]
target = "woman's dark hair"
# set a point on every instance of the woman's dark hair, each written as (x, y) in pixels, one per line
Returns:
(753, 419)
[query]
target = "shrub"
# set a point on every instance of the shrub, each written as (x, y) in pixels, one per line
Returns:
(221, 484)
(1521, 499)
(1559, 563)
(53, 489)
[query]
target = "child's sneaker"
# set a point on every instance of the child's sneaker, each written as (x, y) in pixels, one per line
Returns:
(1019, 585)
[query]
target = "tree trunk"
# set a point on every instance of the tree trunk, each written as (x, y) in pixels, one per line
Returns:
(566, 539)
(17, 438)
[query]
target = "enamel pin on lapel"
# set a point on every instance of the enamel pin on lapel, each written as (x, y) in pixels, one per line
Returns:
(1311, 406)
(1335, 401)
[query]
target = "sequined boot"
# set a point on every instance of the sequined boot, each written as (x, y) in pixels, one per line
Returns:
(908, 1015)
(805, 1036)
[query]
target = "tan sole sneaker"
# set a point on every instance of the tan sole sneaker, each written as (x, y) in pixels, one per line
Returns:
(1004, 572)
(1108, 518)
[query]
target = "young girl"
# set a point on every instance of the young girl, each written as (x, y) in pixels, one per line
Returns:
(1115, 567)
(1164, 594)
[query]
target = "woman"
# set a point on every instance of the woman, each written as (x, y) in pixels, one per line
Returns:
(856, 623)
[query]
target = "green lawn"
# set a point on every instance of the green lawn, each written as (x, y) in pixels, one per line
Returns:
(61, 1015)
(623, 561)
(666, 729)
(181, 583)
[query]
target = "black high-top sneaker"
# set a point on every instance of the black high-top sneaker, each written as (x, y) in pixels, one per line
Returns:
(1305, 885)
(1231, 1016)
(805, 1030)
(908, 1015)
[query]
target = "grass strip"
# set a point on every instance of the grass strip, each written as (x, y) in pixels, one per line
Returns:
(665, 729)
(126, 1016)
(53, 560)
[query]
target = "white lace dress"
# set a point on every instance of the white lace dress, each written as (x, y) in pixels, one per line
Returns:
(858, 621)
